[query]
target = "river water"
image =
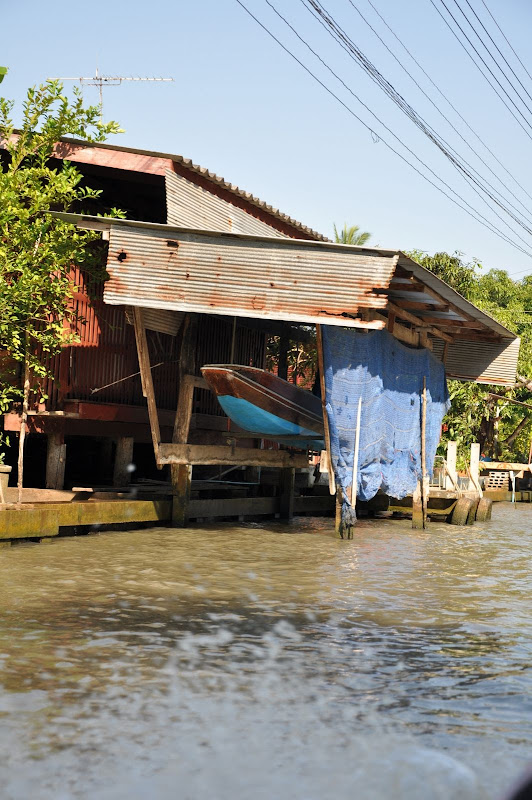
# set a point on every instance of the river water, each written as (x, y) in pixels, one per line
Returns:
(268, 661)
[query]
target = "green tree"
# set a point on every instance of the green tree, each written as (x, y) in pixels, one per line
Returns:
(502, 428)
(352, 235)
(37, 250)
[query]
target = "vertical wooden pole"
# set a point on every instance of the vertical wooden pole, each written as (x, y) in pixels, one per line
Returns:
(417, 507)
(321, 368)
(338, 514)
(55, 461)
(424, 472)
(123, 459)
(181, 474)
(286, 494)
(147, 379)
(284, 344)
(474, 467)
(451, 480)
(181, 485)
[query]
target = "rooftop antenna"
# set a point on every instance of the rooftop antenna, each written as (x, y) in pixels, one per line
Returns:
(108, 80)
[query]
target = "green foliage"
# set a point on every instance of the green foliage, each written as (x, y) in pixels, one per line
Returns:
(37, 251)
(352, 235)
(476, 416)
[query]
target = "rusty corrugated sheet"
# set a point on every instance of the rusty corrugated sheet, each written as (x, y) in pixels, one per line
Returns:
(191, 206)
(482, 362)
(242, 276)
(159, 320)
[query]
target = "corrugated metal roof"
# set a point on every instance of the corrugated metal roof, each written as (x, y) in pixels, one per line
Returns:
(206, 174)
(246, 276)
(190, 205)
(328, 269)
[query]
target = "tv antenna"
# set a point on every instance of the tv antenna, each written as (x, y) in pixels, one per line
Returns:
(102, 81)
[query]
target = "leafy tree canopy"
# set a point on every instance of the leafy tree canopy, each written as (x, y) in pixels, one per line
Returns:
(503, 429)
(351, 235)
(37, 250)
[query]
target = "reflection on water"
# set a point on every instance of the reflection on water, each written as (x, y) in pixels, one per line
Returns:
(268, 661)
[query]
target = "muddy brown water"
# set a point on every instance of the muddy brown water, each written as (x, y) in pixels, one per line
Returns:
(268, 661)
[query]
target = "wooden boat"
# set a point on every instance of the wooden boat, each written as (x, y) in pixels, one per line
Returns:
(268, 406)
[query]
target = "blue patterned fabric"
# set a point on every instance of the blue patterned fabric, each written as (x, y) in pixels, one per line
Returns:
(389, 377)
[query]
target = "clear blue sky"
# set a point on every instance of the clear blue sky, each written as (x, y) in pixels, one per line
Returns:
(242, 108)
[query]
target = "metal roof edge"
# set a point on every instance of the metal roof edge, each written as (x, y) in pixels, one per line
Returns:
(425, 275)
(207, 175)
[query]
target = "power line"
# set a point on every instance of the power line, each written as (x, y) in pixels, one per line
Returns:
(494, 43)
(457, 161)
(506, 39)
(441, 93)
(474, 214)
(270, 4)
(479, 68)
(355, 7)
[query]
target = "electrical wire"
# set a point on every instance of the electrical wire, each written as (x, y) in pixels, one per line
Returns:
(457, 161)
(479, 68)
(506, 39)
(494, 43)
(472, 213)
(451, 105)
(278, 13)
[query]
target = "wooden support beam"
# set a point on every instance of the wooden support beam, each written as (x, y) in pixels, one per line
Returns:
(123, 460)
(414, 305)
(321, 369)
(147, 379)
(417, 321)
(55, 461)
(284, 346)
(181, 473)
(401, 332)
(237, 456)
(286, 494)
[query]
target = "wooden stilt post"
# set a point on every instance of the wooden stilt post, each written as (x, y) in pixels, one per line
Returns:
(338, 514)
(284, 345)
(181, 474)
(417, 507)
(147, 379)
(55, 461)
(123, 459)
(474, 465)
(321, 368)
(286, 494)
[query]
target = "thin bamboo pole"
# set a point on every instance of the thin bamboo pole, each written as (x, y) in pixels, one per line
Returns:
(424, 477)
(355, 455)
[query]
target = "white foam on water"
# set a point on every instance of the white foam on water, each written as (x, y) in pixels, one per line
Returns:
(263, 728)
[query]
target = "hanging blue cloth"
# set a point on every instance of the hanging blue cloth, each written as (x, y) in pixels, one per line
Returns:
(388, 376)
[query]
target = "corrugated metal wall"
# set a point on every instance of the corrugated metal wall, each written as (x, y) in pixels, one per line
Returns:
(107, 352)
(483, 362)
(191, 206)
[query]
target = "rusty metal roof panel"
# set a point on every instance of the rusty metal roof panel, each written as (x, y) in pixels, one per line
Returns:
(192, 206)
(107, 149)
(286, 279)
(482, 362)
